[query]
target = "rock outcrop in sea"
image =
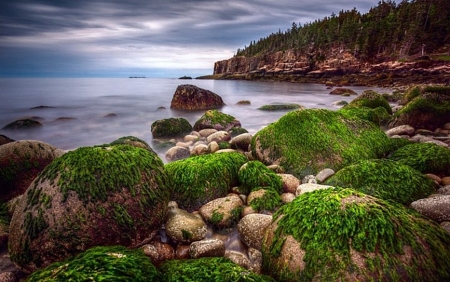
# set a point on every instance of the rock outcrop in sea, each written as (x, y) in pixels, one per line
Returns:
(191, 97)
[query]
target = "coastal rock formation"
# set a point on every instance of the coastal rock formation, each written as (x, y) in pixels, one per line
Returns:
(370, 99)
(353, 237)
(23, 124)
(103, 195)
(342, 91)
(307, 141)
(20, 162)
(5, 139)
(191, 97)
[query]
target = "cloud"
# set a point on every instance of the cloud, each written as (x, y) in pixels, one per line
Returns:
(190, 34)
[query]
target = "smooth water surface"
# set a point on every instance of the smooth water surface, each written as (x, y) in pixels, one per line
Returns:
(76, 109)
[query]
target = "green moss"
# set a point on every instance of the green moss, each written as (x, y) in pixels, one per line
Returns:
(371, 99)
(379, 115)
(280, 107)
(307, 141)
(235, 131)
(196, 180)
(425, 157)
(393, 243)
(186, 234)
(5, 217)
(214, 119)
(216, 217)
(207, 269)
(170, 127)
(255, 174)
(224, 145)
(385, 179)
(270, 201)
(114, 263)
(133, 141)
(94, 172)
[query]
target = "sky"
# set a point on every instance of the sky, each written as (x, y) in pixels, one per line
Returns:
(151, 38)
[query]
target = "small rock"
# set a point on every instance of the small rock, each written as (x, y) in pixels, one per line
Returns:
(290, 182)
(239, 259)
(309, 187)
(444, 190)
(401, 130)
(182, 252)
(206, 132)
(324, 174)
(252, 227)
(177, 153)
(445, 180)
(207, 248)
(222, 212)
(434, 177)
(200, 149)
(436, 208)
(219, 136)
(184, 227)
(287, 197)
(241, 141)
(309, 179)
(213, 147)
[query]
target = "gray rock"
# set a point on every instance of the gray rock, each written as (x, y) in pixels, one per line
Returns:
(309, 187)
(241, 141)
(239, 259)
(213, 147)
(177, 153)
(207, 248)
(206, 132)
(401, 130)
(309, 179)
(256, 258)
(222, 212)
(219, 136)
(436, 208)
(200, 149)
(444, 190)
(252, 227)
(324, 174)
(184, 227)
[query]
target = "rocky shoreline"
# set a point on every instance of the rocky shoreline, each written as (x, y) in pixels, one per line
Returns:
(249, 198)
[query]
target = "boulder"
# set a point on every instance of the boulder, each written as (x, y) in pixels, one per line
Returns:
(290, 182)
(264, 199)
(342, 234)
(184, 227)
(379, 115)
(199, 179)
(22, 124)
(425, 157)
(207, 248)
(132, 141)
(177, 153)
(20, 163)
(170, 127)
(92, 196)
(255, 174)
(222, 212)
(385, 179)
(214, 119)
(252, 228)
(208, 269)
(101, 263)
(191, 97)
(342, 91)
(370, 99)
(305, 142)
(436, 208)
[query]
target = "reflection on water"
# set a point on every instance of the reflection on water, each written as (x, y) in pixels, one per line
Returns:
(90, 111)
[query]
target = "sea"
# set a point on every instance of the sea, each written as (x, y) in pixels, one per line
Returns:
(78, 112)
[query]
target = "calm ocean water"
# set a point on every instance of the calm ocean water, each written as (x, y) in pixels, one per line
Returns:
(76, 108)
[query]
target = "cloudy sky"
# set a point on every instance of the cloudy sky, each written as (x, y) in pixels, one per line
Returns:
(152, 38)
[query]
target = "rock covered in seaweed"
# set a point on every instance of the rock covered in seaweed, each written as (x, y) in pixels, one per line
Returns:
(307, 141)
(191, 97)
(216, 120)
(23, 124)
(113, 263)
(341, 234)
(199, 179)
(170, 127)
(112, 195)
(184, 227)
(384, 179)
(370, 99)
(20, 162)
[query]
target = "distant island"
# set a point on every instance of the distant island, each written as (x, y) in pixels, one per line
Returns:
(185, 77)
(137, 77)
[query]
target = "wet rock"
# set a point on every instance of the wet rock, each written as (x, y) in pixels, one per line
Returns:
(216, 120)
(219, 136)
(177, 153)
(184, 227)
(241, 141)
(290, 182)
(324, 174)
(252, 228)
(222, 212)
(206, 132)
(170, 127)
(401, 130)
(5, 139)
(200, 149)
(436, 208)
(310, 187)
(343, 91)
(207, 248)
(287, 197)
(191, 97)
(159, 252)
(22, 124)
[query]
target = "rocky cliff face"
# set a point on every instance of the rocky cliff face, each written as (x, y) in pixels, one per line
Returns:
(332, 63)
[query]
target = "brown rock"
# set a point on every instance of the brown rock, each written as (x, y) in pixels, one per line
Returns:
(191, 97)
(342, 91)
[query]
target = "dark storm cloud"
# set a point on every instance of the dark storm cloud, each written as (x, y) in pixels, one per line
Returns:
(148, 34)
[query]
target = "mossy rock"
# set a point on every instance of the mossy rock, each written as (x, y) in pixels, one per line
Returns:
(23, 124)
(88, 197)
(133, 141)
(281, 107)
(307, 141)
(255, 174)
(112, 263)
(208, 269)
(269, 201)
(199, 179)
(429, 110)
(379, 115)
(384, 179)
(216, 120)
(20, 162)
(371, 99)
(425, 157)
(340, 234)
(170, 127)
(235, 131)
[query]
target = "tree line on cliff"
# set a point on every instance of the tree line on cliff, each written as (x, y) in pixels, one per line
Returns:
(387, 31)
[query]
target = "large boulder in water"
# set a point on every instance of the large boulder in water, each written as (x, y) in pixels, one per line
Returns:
(23, 124)
(20, 162)
(429, 108)
(340, 234)
(112, 263)
(112, 195)
(304, 142)
(197, 180)
(191, 97)
(170, 127)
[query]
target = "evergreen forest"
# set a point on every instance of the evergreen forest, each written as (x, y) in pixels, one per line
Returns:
(389, 31)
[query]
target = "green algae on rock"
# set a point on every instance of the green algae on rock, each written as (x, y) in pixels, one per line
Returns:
(217, 120)
(199, 179)
(208, 269)
(170, 127)
(341, 234)
(307, 141)
(255, 174)
(379, 115)
(425, 157)
(269, 201)
(371, 99)
(112, 263)
(133, 141)
(384, 179)
(281, 107)
(428, 110)
(88, 197)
